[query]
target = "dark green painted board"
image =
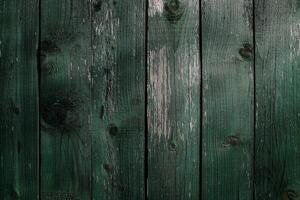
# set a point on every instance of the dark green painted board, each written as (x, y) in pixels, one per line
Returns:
(227, 99)
(118, 99)
(277, 172)
(65, 99)
(18, 99)
(173, 108)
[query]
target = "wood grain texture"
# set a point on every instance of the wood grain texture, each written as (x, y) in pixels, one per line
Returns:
(118, 99)
(277, 174)
(18, 99)
(227, 99)
(65, 99)
(173, 108)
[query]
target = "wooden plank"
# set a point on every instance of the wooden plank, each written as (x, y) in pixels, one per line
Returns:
(18, 99)
(118, 97)
(227, 99)
(277, 84)
(65, 99)
(173, 99)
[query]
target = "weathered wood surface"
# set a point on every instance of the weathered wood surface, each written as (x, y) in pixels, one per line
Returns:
(118, 99)
(227, 99)
(277, 174)
(94, 57)
(18, 99)
(173, 99)
(65, 99)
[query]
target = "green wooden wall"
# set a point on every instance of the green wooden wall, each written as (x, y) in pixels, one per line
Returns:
(149, 99)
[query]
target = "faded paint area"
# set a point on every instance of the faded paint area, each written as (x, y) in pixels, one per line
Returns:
(189, 79)
(160, 87)
(104, 60)
(156, 7)
(190, 70)
(159, 92)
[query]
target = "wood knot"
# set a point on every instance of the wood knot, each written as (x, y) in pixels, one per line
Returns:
(174, 10)
(48, 46)
(290, 195)
(232, 140)
(14, 195)
(60, 113)
(112, 129)
(172, 146)
(14, 108)
(49, 67)
(97, 5)
(246, 52)
(108, 168)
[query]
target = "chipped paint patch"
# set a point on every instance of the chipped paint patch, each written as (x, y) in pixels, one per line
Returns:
(156, 7)
(295, 35)
(159, 92)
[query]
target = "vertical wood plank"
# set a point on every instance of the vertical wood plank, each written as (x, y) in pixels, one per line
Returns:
(277, 84)
(65, 99)
(173, 99)
(18, 99)
(118, 99)
(227, 99)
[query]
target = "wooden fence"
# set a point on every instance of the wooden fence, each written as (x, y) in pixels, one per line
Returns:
(157, 99)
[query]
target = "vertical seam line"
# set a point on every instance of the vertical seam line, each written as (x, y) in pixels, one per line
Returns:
(201, 101)
(91, 100)
(254, 98)
(39, 96)
(146, 102)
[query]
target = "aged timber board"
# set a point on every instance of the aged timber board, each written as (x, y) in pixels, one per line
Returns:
(173, 108)
(228, 101)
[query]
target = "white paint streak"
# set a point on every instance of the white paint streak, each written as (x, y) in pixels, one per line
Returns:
(156, 7)
(295, 35)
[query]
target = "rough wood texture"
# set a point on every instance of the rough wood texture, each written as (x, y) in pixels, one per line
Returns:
(18, 99)
(173, 99)
(65, 99)
(92, 100)
(277, 174)
(227, 99)
(118, 98)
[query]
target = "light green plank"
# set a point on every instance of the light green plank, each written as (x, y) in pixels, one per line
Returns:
(227, 99)
(173, 99)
